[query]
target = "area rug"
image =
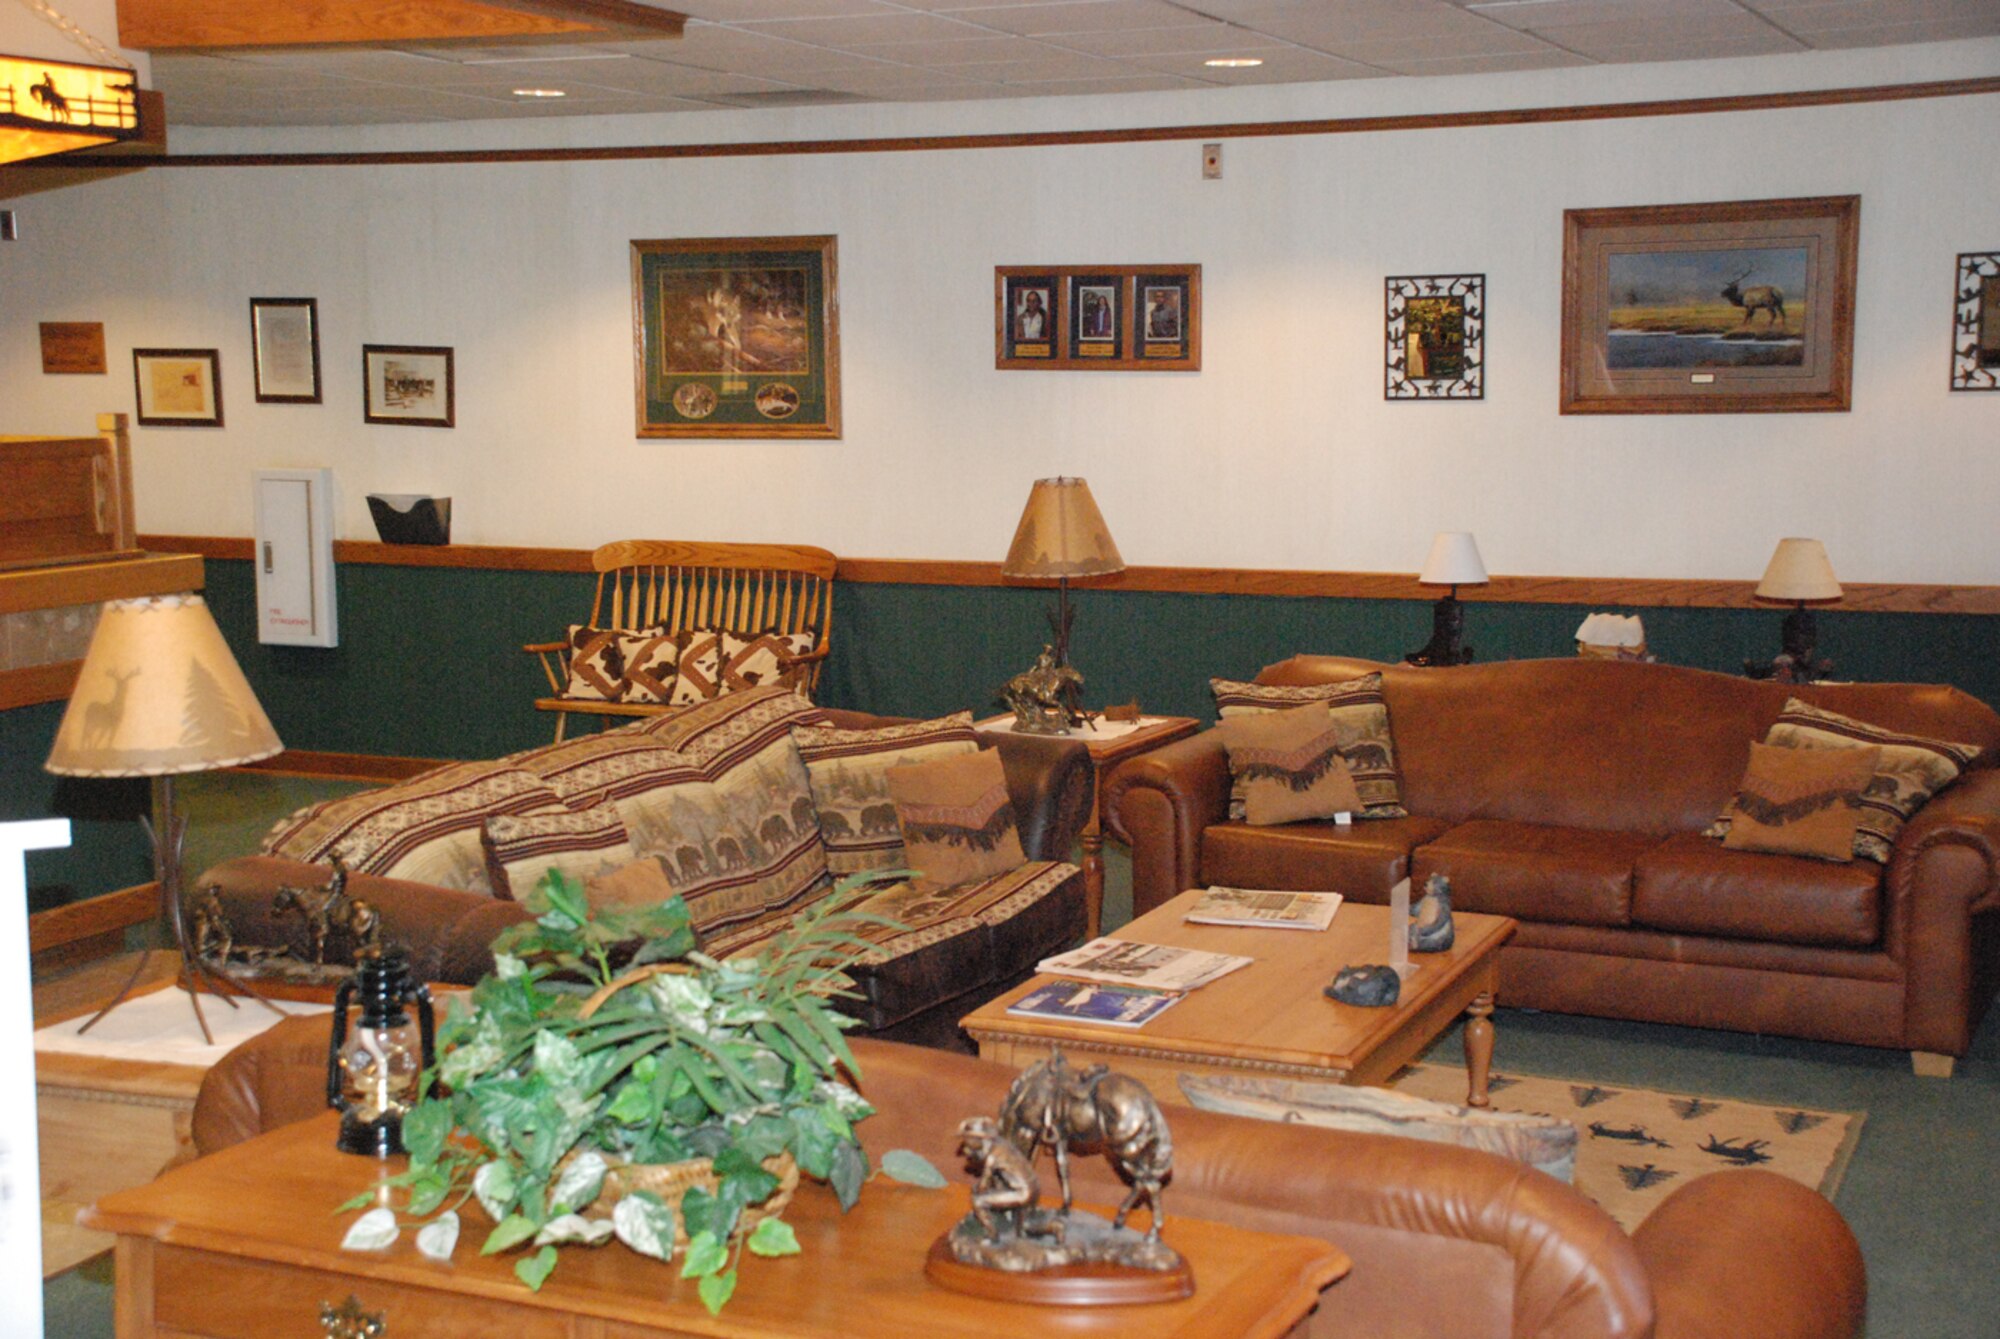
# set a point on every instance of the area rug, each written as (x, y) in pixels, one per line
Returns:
(1636, 1145)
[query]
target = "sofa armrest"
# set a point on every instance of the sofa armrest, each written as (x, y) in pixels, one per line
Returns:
(1967, 816)
(1945, 871)
(1708, 1251)
(1053, 783)
(1158, 803)
(449, 934)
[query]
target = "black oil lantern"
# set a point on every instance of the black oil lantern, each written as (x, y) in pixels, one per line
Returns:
(374, 1069)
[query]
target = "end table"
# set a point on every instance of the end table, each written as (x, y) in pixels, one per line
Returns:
(1109, 742)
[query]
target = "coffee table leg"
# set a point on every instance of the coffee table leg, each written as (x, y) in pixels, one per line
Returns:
(1478, 1048)
(1093, 876)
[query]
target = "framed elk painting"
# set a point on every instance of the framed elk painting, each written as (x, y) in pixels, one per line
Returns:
(1741, 307)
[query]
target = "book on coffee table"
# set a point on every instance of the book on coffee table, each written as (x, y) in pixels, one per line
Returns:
(1094, 1002)
(1264, 910)
(1155, 966)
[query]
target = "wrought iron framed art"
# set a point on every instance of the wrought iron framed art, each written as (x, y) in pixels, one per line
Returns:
(1435, 327)
(1975, 323)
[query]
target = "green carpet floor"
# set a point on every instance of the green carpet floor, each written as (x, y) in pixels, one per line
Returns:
(1920, 1193)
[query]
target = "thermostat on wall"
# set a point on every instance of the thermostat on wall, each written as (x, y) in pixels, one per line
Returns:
(294, 558)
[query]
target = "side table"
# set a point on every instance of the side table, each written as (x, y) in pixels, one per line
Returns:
(1109, 742)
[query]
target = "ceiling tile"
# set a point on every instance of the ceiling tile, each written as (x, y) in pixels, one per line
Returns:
(959, 51)
(1210, 39)
(1136, 83)
(1798, 17)
(1540, 14)
(1493, 40)
(1057, 66)
(733, 50)
(867, 30)
(737, 11)
(1742, 35)
(1934, 30)
(1282, 65)
(1548, 59)
(1080, 16)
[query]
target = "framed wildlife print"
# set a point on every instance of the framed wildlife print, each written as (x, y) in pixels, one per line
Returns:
(1112, 318)
(284, 344)
(736, 337)
(1740, 307)
(178, 388)
(1975, 326)
(1436, 337)
(408, 384)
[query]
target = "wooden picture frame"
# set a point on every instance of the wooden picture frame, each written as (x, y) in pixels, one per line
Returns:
(1109, 318)
(178, 388)
(1975, 323)
(1434, 329)
(72, 348)
(736, 337)
(408, 384)
(284, 350)
(1659, 316)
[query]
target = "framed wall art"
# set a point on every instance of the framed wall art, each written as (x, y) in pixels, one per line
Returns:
(1435, 327)
(1740, 307)
(73, 347)
(178, 388)
(284, 348)
(407, 384)
(1975, 326)
(1097, 317)
(736, 337)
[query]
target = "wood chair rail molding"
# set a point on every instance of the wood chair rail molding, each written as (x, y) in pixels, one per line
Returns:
(1347, 125)
(1630, 592)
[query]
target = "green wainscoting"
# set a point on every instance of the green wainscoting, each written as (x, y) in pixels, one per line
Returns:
(108, 849)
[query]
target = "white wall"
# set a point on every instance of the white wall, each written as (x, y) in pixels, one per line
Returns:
(1280, 453)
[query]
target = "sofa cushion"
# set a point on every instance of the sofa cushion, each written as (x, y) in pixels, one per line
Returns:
(957, 817)
(1801, 801)
(1568, 876)
(582, 843)
(1362, 861)
(1287, 765)
(426, 829)
(734, 721)
(948, 940)
(1913, 768)
(1359, 712)
(1689, 885)
(850, 788)
(613, 767)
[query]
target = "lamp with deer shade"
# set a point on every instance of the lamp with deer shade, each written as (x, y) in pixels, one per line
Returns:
(1453, 561)
(1799, 572)
(1061, 535)
(159, 694)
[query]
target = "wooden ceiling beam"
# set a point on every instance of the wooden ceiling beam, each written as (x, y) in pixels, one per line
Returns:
(217, 25)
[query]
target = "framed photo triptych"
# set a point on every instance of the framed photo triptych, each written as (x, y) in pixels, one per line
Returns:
(1110, 318)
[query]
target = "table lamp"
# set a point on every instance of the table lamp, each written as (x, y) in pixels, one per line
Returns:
(159, 694)
(1800, 573)
(1061, 535)
(1454, 562)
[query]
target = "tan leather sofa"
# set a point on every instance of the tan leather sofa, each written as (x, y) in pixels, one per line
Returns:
(1445, 1241)
(1571, 794)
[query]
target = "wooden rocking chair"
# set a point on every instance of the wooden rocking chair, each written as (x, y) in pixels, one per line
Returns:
(654, 583)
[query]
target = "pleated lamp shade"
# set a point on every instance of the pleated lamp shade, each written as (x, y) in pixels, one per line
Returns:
(1799, 570)
(1062, 534)
(159, 694)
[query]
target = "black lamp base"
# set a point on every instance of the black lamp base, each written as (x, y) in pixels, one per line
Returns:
(1447, 644)
(378, 1138)
(1797, 660)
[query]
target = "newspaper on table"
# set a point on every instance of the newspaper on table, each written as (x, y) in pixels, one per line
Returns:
(1264, 909)
(1155, 966)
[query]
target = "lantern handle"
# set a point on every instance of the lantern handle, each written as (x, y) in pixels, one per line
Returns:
(342, 996)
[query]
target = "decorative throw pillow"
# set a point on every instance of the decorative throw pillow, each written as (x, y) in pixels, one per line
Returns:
(1801, 801)
(850, 787)
(597, 659)
(957, 817)
(1360, 714)
(700, 669)
(1913, 768)
(652, 666)
(754, 662)
(1287, 765)
(582, 843)
(630, 887)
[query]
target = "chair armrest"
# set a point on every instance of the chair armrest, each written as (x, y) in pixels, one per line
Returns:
(554, 660)
(1159, 803)
(537, 648)
(1715, 1274)
(1052, 782)
(805, 657)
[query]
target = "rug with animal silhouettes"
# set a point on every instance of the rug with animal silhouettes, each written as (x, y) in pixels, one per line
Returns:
(1636, 1145)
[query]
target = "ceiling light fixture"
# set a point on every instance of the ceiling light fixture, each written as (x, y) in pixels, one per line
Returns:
(1233, 62)
(540, 93)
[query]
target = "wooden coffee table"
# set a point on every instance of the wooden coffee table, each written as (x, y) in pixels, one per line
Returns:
(1270, 1019)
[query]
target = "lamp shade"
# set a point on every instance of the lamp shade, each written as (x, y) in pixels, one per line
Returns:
(1453, 561)
(1062, 534)
(49, 106)
(1799, 570)
(158, 694)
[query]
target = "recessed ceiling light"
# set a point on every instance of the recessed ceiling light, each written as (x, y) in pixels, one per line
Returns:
(1233, 62)
(540, 93)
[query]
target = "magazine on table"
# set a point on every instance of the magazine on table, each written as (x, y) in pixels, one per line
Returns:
(1094, 1002)
(1264, 909)
(1155, 966)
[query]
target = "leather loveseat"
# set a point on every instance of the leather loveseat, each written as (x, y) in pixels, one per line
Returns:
(952, 949)
(1445, 1241)
(1572, 795)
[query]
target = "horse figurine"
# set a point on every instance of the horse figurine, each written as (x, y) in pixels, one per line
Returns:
(1052, 1105)
(324, 910)
(1044, 697)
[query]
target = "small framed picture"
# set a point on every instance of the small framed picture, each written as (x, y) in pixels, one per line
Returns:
(1975, 328)
(284, 344)
(1096, 316)
(1028, 316)
(178, 388)
(1435, 326)
(407, 384)
(1168, 316)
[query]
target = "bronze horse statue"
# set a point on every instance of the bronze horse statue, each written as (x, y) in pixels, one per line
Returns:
(1092, 1110)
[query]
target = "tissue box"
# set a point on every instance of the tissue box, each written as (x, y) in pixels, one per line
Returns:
(1612, 637)
(411, 518)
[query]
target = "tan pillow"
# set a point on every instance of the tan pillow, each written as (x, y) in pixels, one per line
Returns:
(1288, 765)
(850, 788)
(1358, 709)
(1801, 801)
(957, 817)
(630, 887)
(582, 843)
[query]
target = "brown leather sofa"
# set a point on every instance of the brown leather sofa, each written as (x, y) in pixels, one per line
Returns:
(1571, 795)
(918, 996)
(1445, 1241)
